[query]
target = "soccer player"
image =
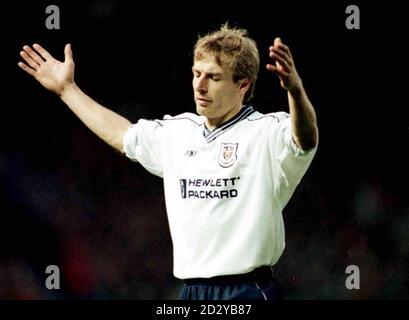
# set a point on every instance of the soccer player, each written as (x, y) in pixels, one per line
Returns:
(228, 171)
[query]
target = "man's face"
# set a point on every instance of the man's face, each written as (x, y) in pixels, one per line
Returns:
(217, 97)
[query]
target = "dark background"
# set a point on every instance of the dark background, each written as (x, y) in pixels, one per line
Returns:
(67, 199)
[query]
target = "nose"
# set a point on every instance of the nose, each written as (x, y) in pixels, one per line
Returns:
(200, 84)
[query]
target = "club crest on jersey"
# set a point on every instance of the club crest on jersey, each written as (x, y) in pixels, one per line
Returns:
(228, 154)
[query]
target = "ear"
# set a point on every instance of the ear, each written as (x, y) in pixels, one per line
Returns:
(244, 85)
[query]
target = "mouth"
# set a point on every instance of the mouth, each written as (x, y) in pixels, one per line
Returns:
(203, 102)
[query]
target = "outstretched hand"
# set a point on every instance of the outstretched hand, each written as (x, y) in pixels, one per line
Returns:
(54, 75)
(284, 66)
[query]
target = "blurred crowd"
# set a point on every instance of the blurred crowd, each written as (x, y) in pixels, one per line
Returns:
(99, 217)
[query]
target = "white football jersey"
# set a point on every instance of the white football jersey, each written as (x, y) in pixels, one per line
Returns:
(225, 191)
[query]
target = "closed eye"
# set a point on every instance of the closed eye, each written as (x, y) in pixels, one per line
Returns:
(209, 75)
(196, 73)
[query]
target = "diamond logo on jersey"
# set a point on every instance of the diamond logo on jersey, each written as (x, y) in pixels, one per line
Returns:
(228, 154)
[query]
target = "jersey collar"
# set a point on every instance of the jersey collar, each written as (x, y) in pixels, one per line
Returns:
(220, 129)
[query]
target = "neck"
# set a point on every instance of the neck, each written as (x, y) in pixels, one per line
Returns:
(212, 123)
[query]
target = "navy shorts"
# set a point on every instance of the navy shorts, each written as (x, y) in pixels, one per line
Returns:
(260, 284)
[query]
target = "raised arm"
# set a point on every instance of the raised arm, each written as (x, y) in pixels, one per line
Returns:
(58, 77)
(303, 117)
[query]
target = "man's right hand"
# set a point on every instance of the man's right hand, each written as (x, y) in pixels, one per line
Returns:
(54, 75)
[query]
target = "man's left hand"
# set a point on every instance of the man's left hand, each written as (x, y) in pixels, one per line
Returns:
(284, 67)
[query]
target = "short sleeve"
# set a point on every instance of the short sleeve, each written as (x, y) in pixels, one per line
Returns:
(291, 161)
(143, 142)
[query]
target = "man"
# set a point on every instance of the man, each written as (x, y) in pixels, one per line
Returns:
(228, 171)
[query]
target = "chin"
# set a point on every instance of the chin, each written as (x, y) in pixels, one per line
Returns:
(201, 111)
